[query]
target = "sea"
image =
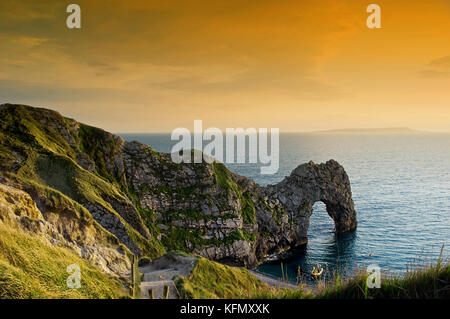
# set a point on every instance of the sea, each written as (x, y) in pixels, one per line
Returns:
(401, 190)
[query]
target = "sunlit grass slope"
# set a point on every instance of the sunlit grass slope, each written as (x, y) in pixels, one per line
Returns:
(31, 268)
(212, 280)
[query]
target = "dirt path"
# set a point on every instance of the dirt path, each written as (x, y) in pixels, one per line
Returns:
(158, 281)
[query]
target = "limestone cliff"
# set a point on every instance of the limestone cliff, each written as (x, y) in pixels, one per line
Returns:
(150, 204)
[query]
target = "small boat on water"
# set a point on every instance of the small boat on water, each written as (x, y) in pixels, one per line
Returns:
(317, 272)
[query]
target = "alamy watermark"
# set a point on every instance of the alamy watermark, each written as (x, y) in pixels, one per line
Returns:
(234, 142)
(374, 276)
(74, 279)
(374, 19)
(73, 21)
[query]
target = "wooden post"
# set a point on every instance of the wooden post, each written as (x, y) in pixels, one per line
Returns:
(132, 277)
(166, 292)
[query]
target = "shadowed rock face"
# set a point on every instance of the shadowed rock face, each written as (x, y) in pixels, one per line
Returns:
(152, 204)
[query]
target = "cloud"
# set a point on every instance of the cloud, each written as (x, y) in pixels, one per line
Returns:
(15, 90)
(443, 62)
(26, 10)
(30, 42)
(264, 81)
(437, 68)
(103, 69)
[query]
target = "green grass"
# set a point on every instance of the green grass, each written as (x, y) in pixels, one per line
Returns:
(211, 280)
(428, 283)
(31, 268)
(248, 209)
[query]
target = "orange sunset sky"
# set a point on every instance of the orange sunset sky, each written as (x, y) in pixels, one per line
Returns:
(152, 66)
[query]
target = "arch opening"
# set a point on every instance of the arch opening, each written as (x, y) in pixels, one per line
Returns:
(321, 222)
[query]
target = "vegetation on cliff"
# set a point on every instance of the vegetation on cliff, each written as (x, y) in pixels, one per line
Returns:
(43, 151)
(31, 268)
(224, 180)
(212, 280)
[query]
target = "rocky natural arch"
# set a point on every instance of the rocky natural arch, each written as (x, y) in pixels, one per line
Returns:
(296, 194)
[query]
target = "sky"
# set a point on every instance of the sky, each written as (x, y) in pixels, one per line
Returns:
(301, 65)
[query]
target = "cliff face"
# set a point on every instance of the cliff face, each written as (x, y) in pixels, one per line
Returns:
(150, 204)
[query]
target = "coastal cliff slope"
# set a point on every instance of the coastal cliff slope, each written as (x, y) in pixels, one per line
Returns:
(107, 199)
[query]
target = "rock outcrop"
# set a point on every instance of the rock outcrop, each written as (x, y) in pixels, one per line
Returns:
(151, 204)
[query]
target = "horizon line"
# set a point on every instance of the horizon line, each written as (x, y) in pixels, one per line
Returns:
(398, 130)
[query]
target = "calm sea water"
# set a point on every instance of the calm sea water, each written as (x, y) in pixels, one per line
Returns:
(401, 190)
